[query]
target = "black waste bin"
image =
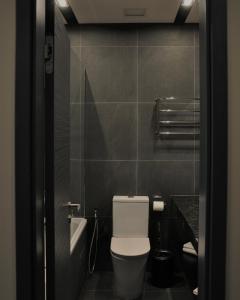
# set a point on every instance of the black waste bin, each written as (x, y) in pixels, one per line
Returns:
(162, 267)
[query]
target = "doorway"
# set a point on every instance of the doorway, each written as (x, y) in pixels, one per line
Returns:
(213, 162)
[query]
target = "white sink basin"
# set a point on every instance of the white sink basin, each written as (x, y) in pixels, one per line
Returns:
(76, 229)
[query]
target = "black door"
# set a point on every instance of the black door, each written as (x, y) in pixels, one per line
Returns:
(29, 148)
(57, 156)
(38, 145)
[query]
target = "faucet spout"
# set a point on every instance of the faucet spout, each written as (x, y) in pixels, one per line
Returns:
(71, 206)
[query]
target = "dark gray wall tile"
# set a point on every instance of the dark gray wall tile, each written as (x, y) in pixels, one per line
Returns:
(77, 183)
(166, 71)
(166, 177)
(75, 175)
(104, 260)
(61, 172)
(77, 131)
(106, 179)
(111, 131)
(166, 35)
(76, 145)
(152, 148)
(109, 35)
(111, 73)
(82, 131)
(75, 75)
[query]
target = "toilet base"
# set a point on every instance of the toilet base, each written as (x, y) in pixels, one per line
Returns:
(129, 276)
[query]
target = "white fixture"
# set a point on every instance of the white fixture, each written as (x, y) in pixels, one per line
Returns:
(187, 3)
(130, 244)
(62, 3)
(195, 292)
(188, 248)
(158, 206)
(76, 230)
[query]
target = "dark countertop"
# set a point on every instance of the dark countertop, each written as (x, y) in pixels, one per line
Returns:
(189, 208)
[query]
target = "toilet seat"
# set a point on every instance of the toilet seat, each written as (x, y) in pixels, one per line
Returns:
(130, 247)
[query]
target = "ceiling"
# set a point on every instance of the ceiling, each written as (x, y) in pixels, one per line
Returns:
(112, 11)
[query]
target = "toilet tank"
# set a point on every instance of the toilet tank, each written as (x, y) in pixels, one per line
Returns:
(130, 216)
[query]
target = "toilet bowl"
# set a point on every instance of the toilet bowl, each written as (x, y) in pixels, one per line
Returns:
(130, 244)
(129, 257)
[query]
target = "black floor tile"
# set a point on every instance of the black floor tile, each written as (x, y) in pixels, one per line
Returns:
(98, 295)
(100, 286)
(179, 283)
(181, 295)
(100, 281)
(156, 295)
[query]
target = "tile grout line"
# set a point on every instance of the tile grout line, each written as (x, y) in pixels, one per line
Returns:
(137, 113)
(83, 102)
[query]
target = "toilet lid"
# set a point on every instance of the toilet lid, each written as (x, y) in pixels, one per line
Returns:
(130, 246)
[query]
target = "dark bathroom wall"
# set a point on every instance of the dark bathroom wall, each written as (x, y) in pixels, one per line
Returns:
(78, 259)
(77, 91)
(127, 66)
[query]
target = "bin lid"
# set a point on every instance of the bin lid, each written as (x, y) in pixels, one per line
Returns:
(162, 255)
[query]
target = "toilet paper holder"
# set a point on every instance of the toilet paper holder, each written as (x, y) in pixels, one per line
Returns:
(158, 204)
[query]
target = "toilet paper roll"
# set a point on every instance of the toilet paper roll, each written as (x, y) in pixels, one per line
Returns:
(158, 206)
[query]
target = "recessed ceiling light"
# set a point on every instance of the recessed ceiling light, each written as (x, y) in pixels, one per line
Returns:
(62, 3)
(134, 12)
(187, 3)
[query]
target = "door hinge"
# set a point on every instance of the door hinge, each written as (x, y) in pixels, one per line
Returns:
(48, 54)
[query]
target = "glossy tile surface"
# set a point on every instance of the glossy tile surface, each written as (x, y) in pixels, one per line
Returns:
(111, 73)
(111, 131)
(166, 71)
(104, 179)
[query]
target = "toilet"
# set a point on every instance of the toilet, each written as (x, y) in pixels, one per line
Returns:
(130, 244)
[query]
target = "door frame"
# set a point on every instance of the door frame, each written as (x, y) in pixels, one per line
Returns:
(213, 152)
(213, 149)
(29, 149)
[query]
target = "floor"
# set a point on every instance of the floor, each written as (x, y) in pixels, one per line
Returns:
(100, 287)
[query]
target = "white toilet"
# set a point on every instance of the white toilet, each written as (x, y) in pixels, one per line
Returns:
(130, 244)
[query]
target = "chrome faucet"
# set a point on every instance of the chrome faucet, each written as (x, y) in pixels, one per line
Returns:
(71, 206)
